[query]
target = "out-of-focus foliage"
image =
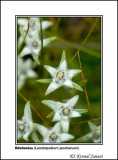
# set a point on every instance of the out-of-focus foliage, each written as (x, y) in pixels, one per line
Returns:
(70, 32)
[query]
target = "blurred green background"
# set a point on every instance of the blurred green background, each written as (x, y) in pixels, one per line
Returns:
(70, 33)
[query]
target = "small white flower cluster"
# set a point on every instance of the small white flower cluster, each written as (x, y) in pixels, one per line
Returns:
(32, 46)
(24, 71)
(27, 128)
(60, 76)
(94, 135)
(33, 41)
(63, 112)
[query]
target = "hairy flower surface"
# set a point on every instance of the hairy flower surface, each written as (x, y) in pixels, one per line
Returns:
(34, 24)
(33, 45)
(94, 135)
(63, 111)
(24, 71)
(25, 125)
(32, 40)
(54, 135)
(61, 76)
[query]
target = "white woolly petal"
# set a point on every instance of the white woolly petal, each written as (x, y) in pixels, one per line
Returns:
(25, 136)
(92, 126)
(31, 74)
(57, 127)
(21, 83)
(74, 114)
(52, 87)
(73, 72)
(46, 140)
(23, 22)
(51, 104)
(68, 83)
(57, 116)
(66, 137)
(43, 131)
(50, 69)
(19, 135)
(25, 51)
(46, 41)
(71, 102)
(65, 125)
(46, 24)
(63, 65)
(27, 112)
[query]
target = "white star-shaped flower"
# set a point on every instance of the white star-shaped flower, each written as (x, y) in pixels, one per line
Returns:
(63, 111)
(94, 135)
(54, 135)
(25, 125)
(24, 71)
(33, 46)
(61, 76)
(34, 24)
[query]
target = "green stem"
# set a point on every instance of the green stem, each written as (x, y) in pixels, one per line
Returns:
(88, 35)
(41, 32)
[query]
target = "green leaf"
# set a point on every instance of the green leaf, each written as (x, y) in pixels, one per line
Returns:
(35, 137)
(76, 86)
(85, 138)
(51, 114)
(36, 58)
(92, 52)
(81, 82)
(44, 80)
(81, 111)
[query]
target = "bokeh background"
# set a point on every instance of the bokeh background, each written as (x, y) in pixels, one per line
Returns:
(70, 33)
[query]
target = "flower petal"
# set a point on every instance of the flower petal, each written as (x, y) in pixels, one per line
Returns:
(66, 137)
(71, 102)
(43, 130)
(25, 136)
(87, 137)
(74, 114)
(27, 112)
(23, 22)
(92, 126)
(46, 140)
(21, 83)
(68, 83)
(46, 41)
(57, 127)
(46, 24)
(52, 87)
(19, 135)
(65, 125)
(57, 116)
(63, 62)
(73, 72)
(50, 69)
(26, 50)
(50, 104)
(31, 74)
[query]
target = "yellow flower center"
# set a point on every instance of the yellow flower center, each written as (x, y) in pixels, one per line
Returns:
(66, 111)
(22, 127)
(53, 136)
(60, 75)
(35, 44)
